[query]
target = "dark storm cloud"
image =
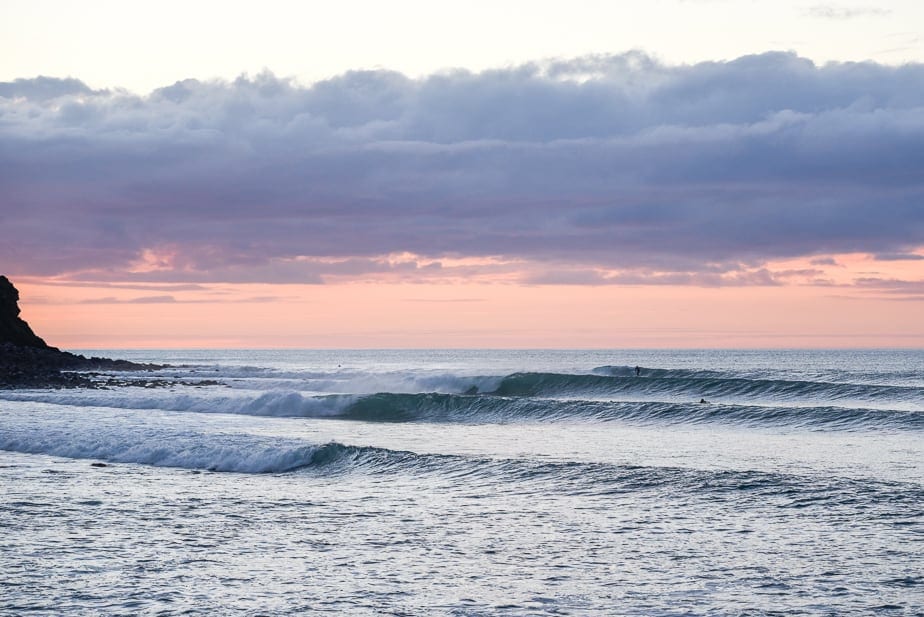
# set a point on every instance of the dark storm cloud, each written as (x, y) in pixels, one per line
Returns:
(602, 161)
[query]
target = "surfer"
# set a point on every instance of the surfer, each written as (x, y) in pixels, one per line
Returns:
(638, 371)
(702, 400)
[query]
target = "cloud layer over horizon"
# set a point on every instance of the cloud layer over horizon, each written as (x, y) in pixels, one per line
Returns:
(613, 162)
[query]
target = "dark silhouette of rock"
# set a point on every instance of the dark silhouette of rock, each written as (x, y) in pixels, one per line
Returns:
(26, 361)
(12, 328)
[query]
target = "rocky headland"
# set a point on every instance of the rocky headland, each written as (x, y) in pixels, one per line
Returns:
(26, 361)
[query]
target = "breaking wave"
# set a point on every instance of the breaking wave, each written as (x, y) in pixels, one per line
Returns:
(462, 408)
(229, 453)
(486, 408)
(606, 393)
(698, 384)
(252, 454)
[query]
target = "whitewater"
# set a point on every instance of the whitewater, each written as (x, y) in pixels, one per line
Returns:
(451, 482)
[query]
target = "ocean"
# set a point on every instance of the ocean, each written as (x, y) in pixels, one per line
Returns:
(450, 482)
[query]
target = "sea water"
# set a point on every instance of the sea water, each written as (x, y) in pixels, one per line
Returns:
(470, 483)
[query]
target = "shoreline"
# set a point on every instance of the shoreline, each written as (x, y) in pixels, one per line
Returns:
(24, 367)
(28, 362)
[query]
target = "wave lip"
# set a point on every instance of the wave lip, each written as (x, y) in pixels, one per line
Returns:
(228, 453)
(696, 384)
(386, 407)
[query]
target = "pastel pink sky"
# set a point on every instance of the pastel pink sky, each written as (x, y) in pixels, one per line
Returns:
(855, 301)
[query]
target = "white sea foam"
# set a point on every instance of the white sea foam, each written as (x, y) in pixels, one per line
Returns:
(167, 448)
(280, 404)
(367, 380)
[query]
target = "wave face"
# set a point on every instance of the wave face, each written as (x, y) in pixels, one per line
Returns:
(699, 383)
(604, 394)
(455, 408)
(490, 408)
(164, 447)
(252, 454)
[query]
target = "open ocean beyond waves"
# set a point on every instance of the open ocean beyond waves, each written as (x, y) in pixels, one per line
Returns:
(470, 483)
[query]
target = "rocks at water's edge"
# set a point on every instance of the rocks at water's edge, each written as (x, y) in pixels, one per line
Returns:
(26, 361)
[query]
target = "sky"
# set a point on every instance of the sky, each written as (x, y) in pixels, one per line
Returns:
(667, 174)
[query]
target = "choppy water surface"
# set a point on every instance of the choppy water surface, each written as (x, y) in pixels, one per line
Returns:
(471, 483)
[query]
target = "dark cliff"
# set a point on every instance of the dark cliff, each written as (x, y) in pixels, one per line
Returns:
(13, 329)
(26, 361)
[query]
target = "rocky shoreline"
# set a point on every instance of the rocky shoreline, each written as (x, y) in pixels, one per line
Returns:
(32, 367)
(26, 361)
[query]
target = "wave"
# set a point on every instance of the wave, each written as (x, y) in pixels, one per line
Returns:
(253, 454)
(629, 371)
(888, 377)
(675, 385)
(341, 381)
(697, 384)
(388, 407)
(228, 453)
(482, 408)
(198, 400)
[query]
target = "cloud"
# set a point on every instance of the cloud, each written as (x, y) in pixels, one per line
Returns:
(569, 277)
(828, 11)
(117, 285)
(139, 300)
(896, 289)
(761, 277)
(600, 162)
(899, 257)
(173, 300)
(45, 88)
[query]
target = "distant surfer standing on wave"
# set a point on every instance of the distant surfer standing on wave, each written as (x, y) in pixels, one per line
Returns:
(638, 371)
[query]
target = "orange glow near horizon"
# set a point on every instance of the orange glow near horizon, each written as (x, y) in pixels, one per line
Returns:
(848, 301)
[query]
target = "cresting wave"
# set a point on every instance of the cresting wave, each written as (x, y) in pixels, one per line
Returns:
(603, 380)
(483, 408)
(387, 407)
(697, 384)
(250, 454)
(160, 448)
(343, 381)
(890, 376)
